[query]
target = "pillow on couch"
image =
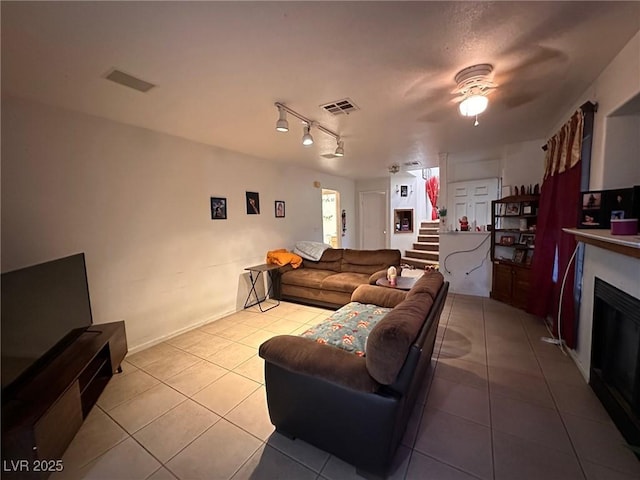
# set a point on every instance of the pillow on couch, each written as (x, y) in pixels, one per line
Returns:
(310, 250)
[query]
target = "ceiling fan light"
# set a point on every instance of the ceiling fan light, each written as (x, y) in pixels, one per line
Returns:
(282, 125)
(307, 139)
(473, 105)
(339, 149)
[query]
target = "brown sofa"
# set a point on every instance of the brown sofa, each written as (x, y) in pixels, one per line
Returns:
(330, 281)
(357, 407)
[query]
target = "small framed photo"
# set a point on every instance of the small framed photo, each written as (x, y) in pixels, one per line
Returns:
(617, 214)
(507, 240)
(528, 239)
(591, 200)
(253, 203)
(404, 190)
(279, 209)
(218, 208)
(519, 255)
(527, 209)
(513, 209)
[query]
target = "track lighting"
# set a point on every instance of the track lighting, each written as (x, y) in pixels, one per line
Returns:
(283, 126)
(307, 139)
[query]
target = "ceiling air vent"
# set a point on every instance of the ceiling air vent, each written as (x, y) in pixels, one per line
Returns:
(129, 81)
(413, 163)
(339, 107)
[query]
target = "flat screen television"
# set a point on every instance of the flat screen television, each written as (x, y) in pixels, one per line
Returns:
(44, 307)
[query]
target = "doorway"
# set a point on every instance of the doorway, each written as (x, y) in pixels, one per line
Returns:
(330, 217)
(373, 220)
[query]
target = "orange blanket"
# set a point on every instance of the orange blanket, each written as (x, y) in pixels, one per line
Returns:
(283, 257)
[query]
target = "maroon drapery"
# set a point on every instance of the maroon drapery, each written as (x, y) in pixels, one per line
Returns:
(558, 209)
(433, 190)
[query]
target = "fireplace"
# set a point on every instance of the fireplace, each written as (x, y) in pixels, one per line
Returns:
(615, 357)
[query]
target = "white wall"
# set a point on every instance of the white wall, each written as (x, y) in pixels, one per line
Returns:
(465, 262)
(404, 241)
(516, 164)
(137, 203)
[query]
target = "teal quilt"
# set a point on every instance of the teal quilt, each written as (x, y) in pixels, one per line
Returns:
(348, 328)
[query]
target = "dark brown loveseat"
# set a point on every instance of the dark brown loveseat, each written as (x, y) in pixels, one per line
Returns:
(330, 281)
(357, 407)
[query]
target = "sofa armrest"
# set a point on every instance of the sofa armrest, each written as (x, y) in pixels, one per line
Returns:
(377, 275)
(307, 357)
(381, 296)
(286, 268)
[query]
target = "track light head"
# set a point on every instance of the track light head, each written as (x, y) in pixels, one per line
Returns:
(282, 125)
(339, 149)
(307, 139)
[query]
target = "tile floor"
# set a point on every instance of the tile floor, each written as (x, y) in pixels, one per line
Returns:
(498, 404)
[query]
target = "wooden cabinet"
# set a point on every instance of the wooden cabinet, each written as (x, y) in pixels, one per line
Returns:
(511, 284)
(43, 410)
(513, 234)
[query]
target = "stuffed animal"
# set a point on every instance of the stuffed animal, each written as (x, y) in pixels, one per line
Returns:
(464, 224)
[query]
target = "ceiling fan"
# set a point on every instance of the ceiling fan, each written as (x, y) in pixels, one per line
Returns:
(473, 86)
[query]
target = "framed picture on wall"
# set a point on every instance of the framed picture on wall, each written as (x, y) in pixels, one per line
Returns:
(279, 209)
(253, 203)
(218, 208)
(404, 190)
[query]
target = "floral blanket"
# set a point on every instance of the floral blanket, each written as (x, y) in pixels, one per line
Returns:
(348, 328)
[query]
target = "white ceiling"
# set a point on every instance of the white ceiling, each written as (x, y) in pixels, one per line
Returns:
(220, 66)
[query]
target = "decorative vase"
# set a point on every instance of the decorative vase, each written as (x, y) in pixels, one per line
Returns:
(443, 224)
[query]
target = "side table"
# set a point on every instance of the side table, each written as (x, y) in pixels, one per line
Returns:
(402, 283)
(255, 273)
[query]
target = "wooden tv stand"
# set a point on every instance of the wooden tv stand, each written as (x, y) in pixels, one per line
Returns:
(42, 414)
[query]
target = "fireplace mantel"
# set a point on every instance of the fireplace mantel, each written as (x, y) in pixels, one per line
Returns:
(623, 244)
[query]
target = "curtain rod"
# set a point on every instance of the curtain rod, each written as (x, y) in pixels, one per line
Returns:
(586, 107)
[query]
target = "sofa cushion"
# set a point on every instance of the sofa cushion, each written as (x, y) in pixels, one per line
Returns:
(381, 296)
(331, 260)
(369, 261)
(390, 340)
(348, 327)
(305, 277)
(344, 282)
(429, 283)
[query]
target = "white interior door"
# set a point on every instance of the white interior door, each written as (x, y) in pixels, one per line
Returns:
(373, 220)
(473, 200)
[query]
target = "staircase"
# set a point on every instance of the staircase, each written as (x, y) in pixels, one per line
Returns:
(425, 252)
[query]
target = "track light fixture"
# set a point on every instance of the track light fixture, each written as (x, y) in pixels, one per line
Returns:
(283, 126)
(307, 139)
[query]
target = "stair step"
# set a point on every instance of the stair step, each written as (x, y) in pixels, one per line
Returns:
(434, 224)
(419, 263)
(422, 254)
(429, 246)
(428, 231)
(428, 238)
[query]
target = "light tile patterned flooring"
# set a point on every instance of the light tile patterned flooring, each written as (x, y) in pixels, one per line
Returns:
(498, 404)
